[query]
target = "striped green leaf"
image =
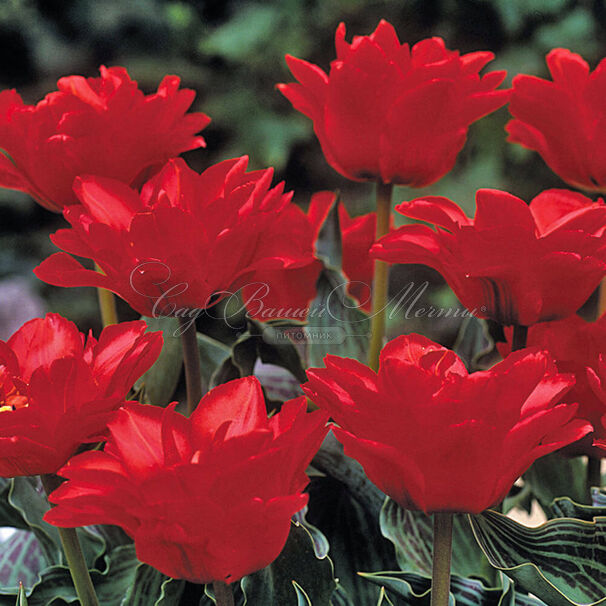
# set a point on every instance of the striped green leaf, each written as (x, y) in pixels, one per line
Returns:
(563, 562)
(55, 585)
(21, 559)
(152, 587)
(411, 532)
(412, 589)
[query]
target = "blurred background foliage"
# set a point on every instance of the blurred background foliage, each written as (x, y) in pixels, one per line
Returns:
(232, 53)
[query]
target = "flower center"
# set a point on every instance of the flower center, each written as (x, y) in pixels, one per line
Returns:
(13, 401)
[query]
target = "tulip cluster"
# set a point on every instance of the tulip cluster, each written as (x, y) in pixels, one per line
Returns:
(209, 498)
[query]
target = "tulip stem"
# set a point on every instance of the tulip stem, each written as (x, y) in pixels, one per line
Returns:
(73, 553)
(223, 594)
(191, 361)
(381, 278)
(442, 553)
(107, 304)
(520, 336)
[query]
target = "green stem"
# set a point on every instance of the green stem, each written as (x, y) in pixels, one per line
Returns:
(73, 553)
(381, 278)
(594, 474)
(107, 304)
(442, 553)
(520, 336)
(191, 361)
(518, 341)
(223, 594)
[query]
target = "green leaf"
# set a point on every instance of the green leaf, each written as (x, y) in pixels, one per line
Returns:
(260, 342)
(345, 505)
(56, 587)
(160, 381)
(563, 562)
(28, 498)
(409, 585)
(335, 324)
(516, 13)
(208, 597)
(556, 475)
(341, 598)
(384, 599)
(567, 508)
(272, 136)
(302, 597)
(571, 31)
(150, 586)
(297, 562)
(21, 599)
(411, 532)
(321, 545)
(113, 536)
(9, 516)
(170, 592)
(415, 590)
(328, 245)
(474, 343)
(28, 501)
(284, 355)
(212, 354)
(245, 34)
(241, 363)
(21, 559)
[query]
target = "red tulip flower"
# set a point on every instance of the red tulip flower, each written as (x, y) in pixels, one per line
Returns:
(436, 438)
(185, 242)
(287, 293)
(207, 498)
(392, 113)
(576, 346)
(564, 119)
(514, 263)
(103, 126)
(58, 389)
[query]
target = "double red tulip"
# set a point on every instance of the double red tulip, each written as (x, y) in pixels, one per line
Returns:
(576, 346)
(288, 292)
(103, 126)
(564, 119)
(58, 389)
(207, 498)
(514, 263)
(393, 113)
(185, 242)
(436, 438)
